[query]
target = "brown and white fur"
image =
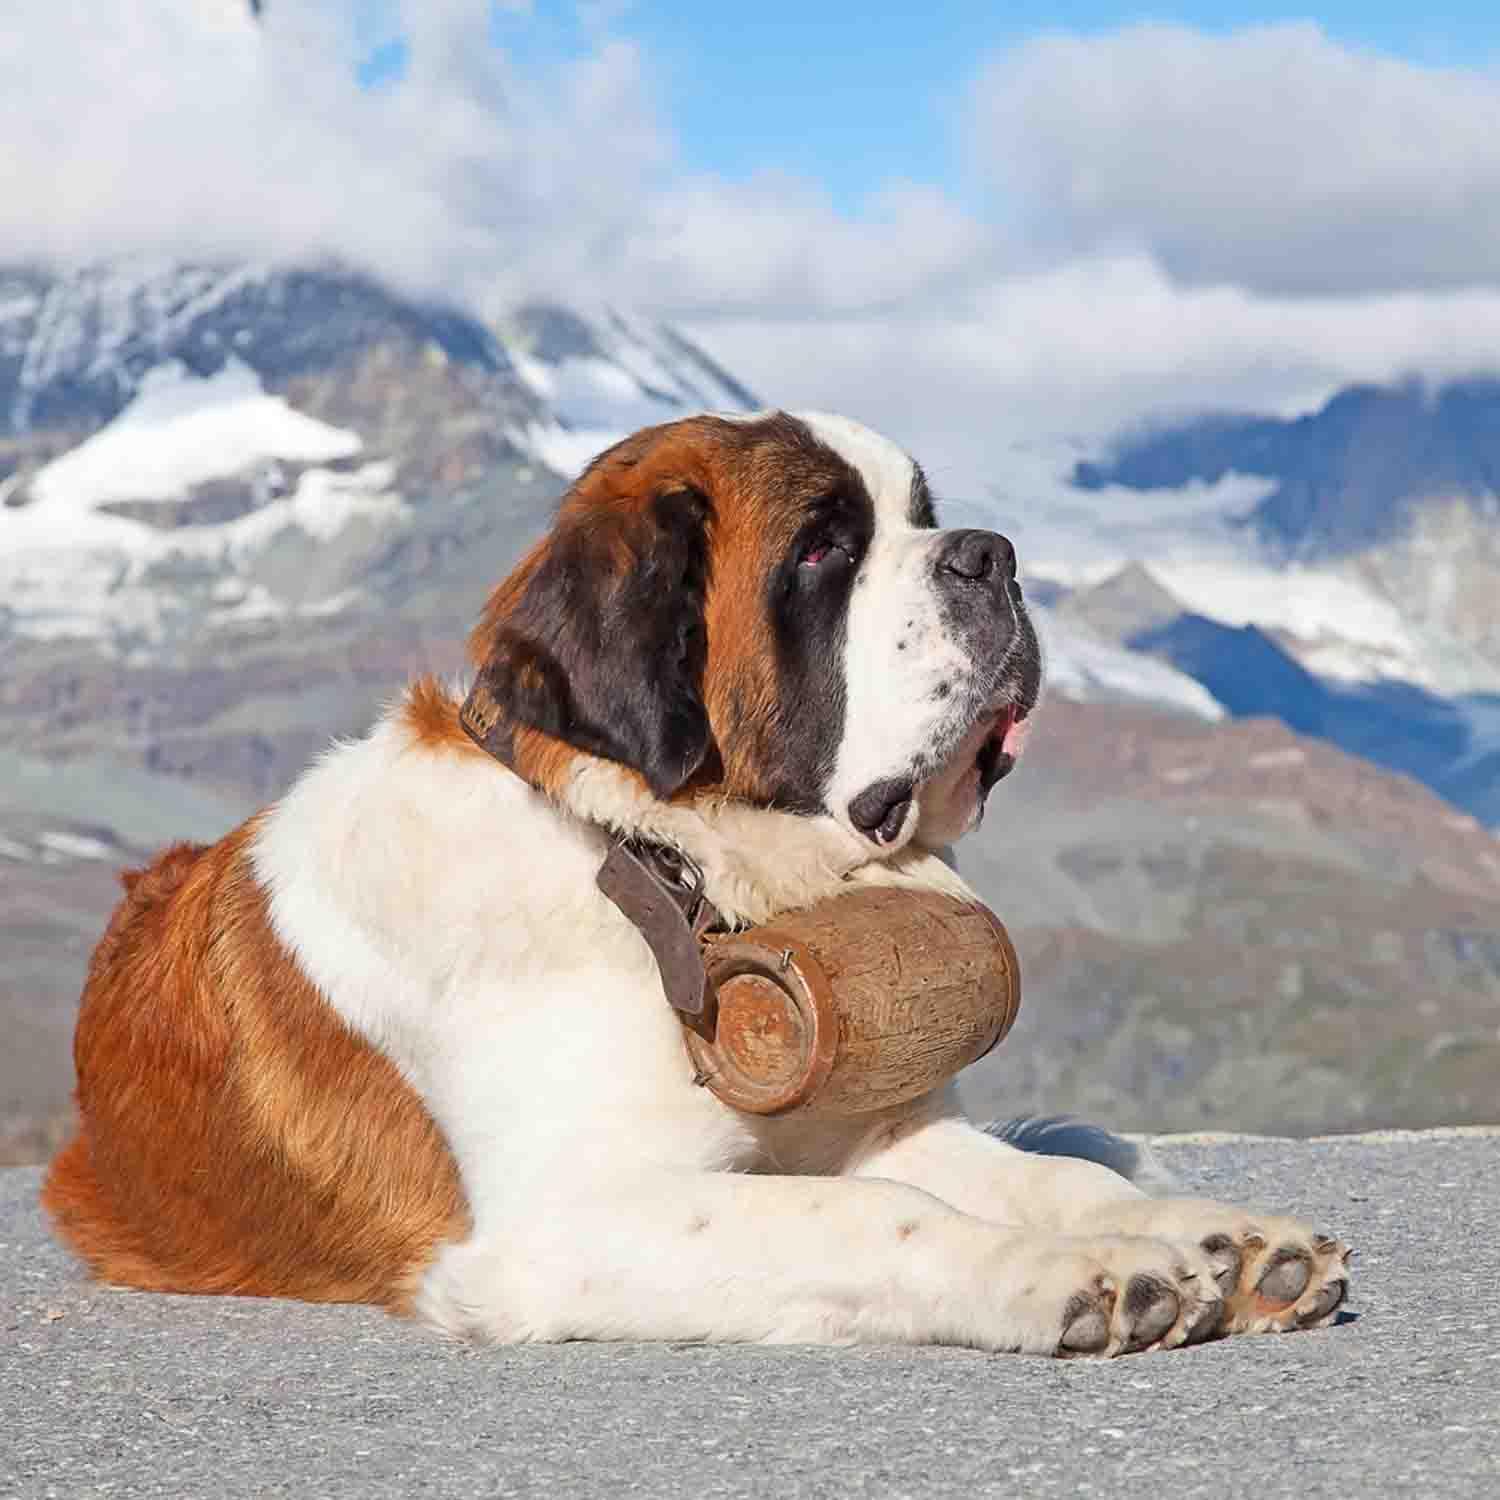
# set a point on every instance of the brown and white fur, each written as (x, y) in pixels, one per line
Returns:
(387, 1042)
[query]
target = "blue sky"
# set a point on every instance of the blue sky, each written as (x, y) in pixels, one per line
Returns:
(853, 95)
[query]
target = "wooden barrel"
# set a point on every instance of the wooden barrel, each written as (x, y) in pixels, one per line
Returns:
(865, 1000)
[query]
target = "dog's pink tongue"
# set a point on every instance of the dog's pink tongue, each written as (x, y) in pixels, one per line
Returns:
(1016, 734)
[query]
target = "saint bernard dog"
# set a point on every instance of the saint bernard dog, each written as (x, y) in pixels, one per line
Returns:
(387, 1041)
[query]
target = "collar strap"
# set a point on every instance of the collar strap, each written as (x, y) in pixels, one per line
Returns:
(656, 886)
(661, 890)
(484, 721)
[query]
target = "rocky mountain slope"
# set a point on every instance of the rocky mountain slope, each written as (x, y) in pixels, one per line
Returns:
(240, 506)
(1340, 570)
(1237, 927)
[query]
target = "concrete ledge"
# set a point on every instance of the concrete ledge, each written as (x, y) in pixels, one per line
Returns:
(122, 1394)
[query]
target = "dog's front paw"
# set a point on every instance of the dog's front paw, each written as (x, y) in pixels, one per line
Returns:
(1273, 1272)
(1127, 1294)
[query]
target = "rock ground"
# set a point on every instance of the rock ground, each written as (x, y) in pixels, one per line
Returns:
(109, 1393)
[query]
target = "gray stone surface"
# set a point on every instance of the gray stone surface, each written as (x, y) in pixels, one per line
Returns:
(109, 1393)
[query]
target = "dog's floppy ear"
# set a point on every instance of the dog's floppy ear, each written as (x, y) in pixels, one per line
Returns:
(598, 641)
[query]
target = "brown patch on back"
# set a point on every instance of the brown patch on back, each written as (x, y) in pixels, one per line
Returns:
(235, 1135)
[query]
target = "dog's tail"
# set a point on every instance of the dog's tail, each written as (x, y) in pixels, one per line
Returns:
(1063, 1135)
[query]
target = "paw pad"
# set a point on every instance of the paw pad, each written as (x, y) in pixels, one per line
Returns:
(1286, 1277)
(1321, 1304)
(1225, 1256)
(1151, 1308)
(1087, 1319)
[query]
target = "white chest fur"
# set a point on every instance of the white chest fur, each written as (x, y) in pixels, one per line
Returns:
(449, 914)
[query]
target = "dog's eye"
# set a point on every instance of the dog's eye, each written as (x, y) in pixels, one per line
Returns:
(823, 551)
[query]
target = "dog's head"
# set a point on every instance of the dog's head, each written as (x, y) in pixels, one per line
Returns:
(763, 609)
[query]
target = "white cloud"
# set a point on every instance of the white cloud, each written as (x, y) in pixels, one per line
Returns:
(177, 125)
(776, 245)
(1272, 157)
(1085, 348)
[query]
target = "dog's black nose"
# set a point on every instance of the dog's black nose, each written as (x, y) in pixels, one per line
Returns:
(978, 556)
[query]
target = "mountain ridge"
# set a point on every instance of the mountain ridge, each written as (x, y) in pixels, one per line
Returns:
(1347, 476)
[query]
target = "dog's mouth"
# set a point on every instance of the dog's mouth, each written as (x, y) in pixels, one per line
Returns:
(879, 812)
(987, 753)
(977, 746)
(1002, 745)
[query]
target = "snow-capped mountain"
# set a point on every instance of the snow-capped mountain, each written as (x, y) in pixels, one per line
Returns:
(1355, 473)
(75, 347)
(1340, 571)
(598, 381)
(189, 448)
(191, 451)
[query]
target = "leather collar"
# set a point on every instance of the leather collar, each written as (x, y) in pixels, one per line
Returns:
(661, 890)
(484, 721)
